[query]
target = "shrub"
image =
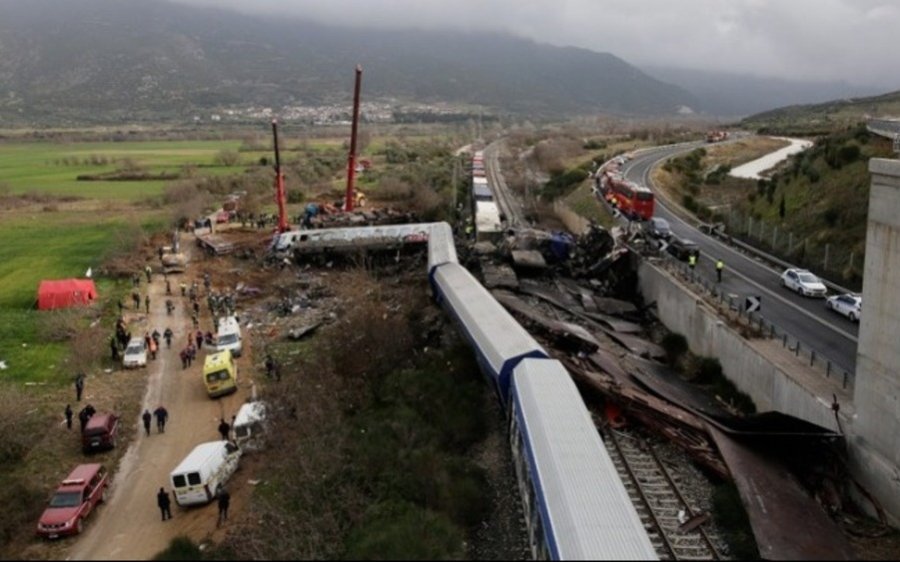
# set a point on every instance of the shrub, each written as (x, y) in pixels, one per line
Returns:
(181, 548)
(675, 346)
(396, 530)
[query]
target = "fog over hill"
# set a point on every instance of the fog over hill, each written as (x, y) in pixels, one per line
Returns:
(108, 61)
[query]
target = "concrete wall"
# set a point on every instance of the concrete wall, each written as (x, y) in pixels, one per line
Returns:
(759, 368)
(876, 439)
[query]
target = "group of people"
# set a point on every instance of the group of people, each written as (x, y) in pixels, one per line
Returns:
(119, 341)
(162, 416)
(223, 500)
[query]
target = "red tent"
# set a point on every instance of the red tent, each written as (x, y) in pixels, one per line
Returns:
(65, 293)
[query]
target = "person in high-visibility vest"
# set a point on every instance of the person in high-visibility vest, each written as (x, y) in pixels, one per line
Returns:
(720, 265)
(692, 261)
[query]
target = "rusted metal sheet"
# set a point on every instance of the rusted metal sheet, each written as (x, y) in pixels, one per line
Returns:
(682, 427)
(566, 331)
(665, 383)
(636, 345)
(615, 307)
(788, 524)
(614, 323)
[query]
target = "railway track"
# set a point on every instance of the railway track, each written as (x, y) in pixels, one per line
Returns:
(508, 204)
(657, 499)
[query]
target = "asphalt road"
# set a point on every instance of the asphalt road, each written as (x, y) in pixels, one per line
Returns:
(831, 336)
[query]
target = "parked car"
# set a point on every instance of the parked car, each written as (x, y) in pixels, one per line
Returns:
(804, 282)
(658, 228)
(75, 498)
(135, 354)
(100, 432)
(682, 248)
(848, 304)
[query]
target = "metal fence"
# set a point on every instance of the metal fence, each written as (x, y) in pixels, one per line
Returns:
(754, 324)
(822, 259)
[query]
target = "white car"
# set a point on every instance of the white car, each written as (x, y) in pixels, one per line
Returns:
(804, 282)
(135, 354)
(848, 304)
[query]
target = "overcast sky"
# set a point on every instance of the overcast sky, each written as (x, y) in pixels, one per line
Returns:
(852, 40)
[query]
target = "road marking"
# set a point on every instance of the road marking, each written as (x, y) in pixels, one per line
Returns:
(722, 246)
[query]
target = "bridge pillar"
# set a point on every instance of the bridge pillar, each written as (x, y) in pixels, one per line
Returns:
(875, 434)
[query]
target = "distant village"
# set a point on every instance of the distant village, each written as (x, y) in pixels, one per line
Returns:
(339, 114)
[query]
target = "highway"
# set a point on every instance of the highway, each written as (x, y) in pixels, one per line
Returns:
(831, 336)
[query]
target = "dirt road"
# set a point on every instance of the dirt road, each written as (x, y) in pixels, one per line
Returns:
(129, 525)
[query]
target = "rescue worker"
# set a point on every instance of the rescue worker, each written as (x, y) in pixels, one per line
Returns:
(309, 213)
(224, 429)
(692, 262)
(162, 416)
(224, 500)
(147, 418)
(164, 503)
(720, 265)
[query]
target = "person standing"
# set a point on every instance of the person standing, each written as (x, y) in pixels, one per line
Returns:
(113, 349)
(720, 265)
(164, 503)
(149, 271)
(224, 500)
(147, 418)
(79, 386)
(147, 303)
(224, 429)
(168, 335)
(692, 262)
(69, 417)
(162, 415)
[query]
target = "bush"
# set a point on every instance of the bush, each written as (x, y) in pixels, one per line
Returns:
(395, 530)
(181, 548)
(675, 346)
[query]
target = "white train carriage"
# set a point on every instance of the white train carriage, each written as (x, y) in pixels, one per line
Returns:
(481, 191)
(498, 340)
(575, 504)
(488, 224)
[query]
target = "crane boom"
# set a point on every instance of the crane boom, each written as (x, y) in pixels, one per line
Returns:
(279, 183)
(351, 159)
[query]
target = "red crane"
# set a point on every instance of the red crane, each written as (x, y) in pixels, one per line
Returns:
(279, 183)
(351, 159)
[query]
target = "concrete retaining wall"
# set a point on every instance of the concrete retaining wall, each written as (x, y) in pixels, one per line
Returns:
(754, 366)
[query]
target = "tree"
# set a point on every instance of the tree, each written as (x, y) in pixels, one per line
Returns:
(227, 158)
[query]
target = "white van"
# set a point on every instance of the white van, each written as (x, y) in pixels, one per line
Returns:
(250, 426)
(228, 336)
(200, 476)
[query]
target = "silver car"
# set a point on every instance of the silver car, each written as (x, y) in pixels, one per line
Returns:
(135, 354)
(804, 282)
(848, 304)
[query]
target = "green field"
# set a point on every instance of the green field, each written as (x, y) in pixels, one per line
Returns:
(53, 167)
(40, 243)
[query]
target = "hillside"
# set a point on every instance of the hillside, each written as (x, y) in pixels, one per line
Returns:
(823, 117)
(96, 61)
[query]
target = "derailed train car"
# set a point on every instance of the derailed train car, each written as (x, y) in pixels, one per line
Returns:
(576, 507)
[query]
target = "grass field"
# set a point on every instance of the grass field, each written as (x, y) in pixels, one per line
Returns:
(45, 246)
(53, 167)
(38, 243)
